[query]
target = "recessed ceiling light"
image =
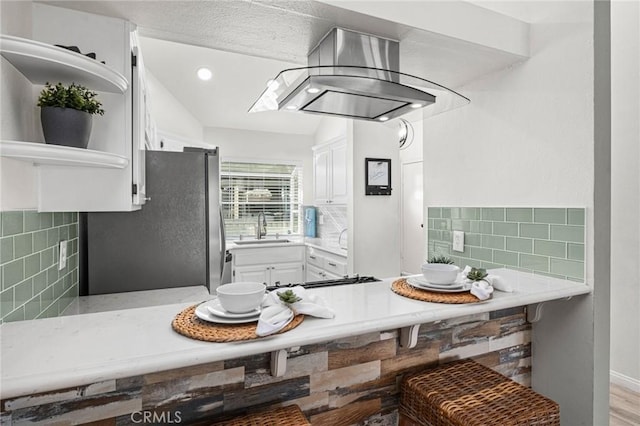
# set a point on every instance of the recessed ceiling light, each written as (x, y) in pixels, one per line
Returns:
(204, 74)
(291, 107)
(313, 90)
(417, 105)
(383, 118)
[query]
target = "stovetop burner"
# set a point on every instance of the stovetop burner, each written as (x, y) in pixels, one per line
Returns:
(328, 283)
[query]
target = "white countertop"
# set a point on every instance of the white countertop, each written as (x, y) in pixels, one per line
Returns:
(266, 242)
(53, 353)
(326, 246)
(318, 243)
(136, 299)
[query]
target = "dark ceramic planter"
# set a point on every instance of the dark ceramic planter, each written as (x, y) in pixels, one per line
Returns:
(66, 126)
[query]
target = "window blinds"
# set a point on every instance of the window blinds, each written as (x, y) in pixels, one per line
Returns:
(248, 189)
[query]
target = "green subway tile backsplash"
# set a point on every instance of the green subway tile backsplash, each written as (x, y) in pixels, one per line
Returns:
(481, 227)
(504, 228)
(507, 258)
(575, 216)
(550, 216)
(493, 241)
(534, 262)
(492, 214)
(546, 241)
(574, 234)
(434, 213)
(550, 248)
(570, 268)
(575, 251)
(534, 230)
(519, 245)
(32, 286)
(519, 215)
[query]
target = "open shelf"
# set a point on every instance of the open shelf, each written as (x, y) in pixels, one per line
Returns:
(41, 63)
(43, 154)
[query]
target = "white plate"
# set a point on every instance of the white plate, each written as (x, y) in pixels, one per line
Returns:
(421, 280)
(203, 313)
(421, 283)
(215, 307)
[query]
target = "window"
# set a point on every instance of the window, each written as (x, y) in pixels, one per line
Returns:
(248, 189)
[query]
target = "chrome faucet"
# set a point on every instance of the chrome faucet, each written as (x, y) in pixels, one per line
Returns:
(261, 229)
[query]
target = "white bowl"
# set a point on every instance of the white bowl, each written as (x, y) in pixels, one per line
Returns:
(440, 273)
(241, 297)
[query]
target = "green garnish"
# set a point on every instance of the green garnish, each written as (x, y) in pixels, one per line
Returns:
(477, 274)
(289, 297)
(440, 259)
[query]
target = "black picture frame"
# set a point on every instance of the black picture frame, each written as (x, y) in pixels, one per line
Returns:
(377, 176)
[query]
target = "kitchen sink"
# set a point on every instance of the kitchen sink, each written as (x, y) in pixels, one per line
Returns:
(260, 242)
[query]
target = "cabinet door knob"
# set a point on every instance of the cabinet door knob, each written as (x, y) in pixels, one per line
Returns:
(332, 264)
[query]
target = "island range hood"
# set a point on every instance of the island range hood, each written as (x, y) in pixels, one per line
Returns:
(354, 75)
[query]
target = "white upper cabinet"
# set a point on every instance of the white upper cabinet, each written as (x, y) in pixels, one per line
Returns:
(109, 174)
(330, 173)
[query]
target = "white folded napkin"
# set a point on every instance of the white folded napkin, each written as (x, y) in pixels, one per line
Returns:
(482, 289)
(276, 314)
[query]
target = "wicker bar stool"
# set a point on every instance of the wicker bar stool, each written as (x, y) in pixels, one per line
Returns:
(465, 393)
(291, 415)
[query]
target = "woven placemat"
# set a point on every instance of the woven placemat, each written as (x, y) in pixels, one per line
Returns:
(403, 288)
(188, 324)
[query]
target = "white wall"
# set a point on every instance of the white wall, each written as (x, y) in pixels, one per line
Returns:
(330, 128)
(625, 194)
(413, 247)
(249, 144)
(527, 139)
(15, 18)
(17, 114)
(169, 115)
(373, 220)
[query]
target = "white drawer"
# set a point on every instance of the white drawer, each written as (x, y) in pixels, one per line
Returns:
(314, 257)
(334, 266)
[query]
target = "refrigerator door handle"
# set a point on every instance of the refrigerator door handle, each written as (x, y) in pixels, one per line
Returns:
(223, 243)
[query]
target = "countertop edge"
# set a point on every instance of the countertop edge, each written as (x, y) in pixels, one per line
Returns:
(330, 249)
(111, 370)
(294, 242)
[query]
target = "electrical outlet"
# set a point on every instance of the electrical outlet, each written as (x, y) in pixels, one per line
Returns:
(62, 262)
(321, 219)
(458, 241)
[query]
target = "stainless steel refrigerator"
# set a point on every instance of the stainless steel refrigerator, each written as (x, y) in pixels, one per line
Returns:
(175, 240)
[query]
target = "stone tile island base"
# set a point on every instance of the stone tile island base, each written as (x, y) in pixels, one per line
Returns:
(350, 381)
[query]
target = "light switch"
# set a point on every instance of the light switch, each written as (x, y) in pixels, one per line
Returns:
(458, 241)
(63, 255)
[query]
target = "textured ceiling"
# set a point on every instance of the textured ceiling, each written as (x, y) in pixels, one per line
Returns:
(268, 36)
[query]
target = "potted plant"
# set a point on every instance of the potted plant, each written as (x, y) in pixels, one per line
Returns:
(440, 259)
(66, 114)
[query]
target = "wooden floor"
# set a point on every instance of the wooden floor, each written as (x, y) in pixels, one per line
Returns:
(624, 407)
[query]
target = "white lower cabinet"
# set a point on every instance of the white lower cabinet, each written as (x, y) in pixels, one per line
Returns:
(272, 265)
(324, 265)
(277, 274)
